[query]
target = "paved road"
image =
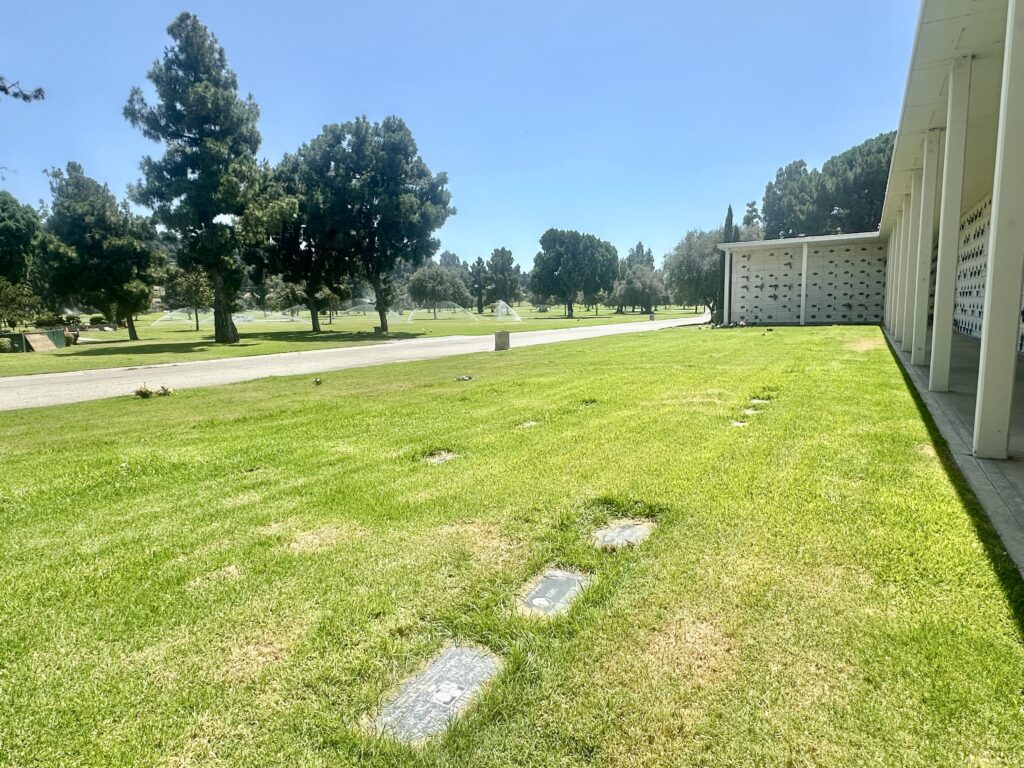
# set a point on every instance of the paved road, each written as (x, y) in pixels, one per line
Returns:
(43, 389)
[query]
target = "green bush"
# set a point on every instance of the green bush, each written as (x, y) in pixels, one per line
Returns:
(97, 320)
(6, 346)
(72, 319)
(48, 321)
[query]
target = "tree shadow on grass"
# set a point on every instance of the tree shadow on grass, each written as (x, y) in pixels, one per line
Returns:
(1006, 571)
(247, 341)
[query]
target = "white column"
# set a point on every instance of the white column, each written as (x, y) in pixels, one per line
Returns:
(926, 238)
(949, 223)
(910, 257)
(1001, 315)
(889, 252)
(727, 309)
(895, 323)
(803, 287)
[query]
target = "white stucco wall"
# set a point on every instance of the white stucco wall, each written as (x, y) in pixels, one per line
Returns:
(845, 283)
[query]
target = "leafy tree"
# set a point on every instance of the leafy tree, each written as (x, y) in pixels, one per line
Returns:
(791, 203)
(846, 195)
(297, 230)
(19, 227)
(639, 256)
(641, 287)
(17, 303)
(189, 289)
(449, 259)
(751, 228)
(503, 272)
(206, 176)
(15, 91)
(853, 185)
(391, 204)
(570, 263)
(432, 285)
(479, 282)
(111, 252)
(692, 269)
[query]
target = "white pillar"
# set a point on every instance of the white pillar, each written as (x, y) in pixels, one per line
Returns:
(949, 223)
(803, 287)
(923, 256)
(888, 279)
(1001, 316)
(910, 257)
(895, 323)
(727, 309)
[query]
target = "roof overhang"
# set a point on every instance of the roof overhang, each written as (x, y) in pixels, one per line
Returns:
(948, 30)
(854, 238)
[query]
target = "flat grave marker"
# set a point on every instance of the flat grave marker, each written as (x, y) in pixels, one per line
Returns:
(623, 532)
(739, 423)
(552, 593)
(428, 702)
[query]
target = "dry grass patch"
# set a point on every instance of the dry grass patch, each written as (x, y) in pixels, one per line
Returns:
(927, 449)
(866, 344)
(227, 573)
(483, 538)
(688, 647)
(324, 537)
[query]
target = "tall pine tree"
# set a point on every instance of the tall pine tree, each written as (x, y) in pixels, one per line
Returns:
(206, 177)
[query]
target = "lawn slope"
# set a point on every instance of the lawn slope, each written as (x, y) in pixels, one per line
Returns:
(239, 576)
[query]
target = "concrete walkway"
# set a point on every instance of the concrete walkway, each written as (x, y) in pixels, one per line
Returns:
(42, 389)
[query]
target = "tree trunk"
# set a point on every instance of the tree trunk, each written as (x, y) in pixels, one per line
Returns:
(197, 318)
(314, 313)
(568, 309)
(132, 334)
(224, 331)
(435, 313)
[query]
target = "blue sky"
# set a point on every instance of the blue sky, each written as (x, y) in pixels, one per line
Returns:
(632, 120)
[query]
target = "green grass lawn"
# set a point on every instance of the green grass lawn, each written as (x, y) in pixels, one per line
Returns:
(240, 576)
(163, 343)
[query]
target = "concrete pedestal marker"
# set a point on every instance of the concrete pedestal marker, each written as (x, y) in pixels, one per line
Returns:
(502, 341)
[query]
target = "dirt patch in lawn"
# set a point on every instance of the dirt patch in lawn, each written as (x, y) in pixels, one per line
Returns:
(483, 538)
(227, 573)
(691, 647)
(324, 537)
(866, 345)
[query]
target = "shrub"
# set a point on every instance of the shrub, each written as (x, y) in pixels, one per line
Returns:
(145, 392)
(6, 346)
(48, 321)
(97, 320)
(72, 319)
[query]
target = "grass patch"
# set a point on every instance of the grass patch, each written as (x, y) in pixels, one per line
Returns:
(820, 589)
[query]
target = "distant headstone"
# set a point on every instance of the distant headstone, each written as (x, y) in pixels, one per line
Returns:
(439, 457)
(650, 316)
(750, 411)
(39, 342)
(739, 423)
(502, 341)
(427, 703)
(553, 592)
(624, 532)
